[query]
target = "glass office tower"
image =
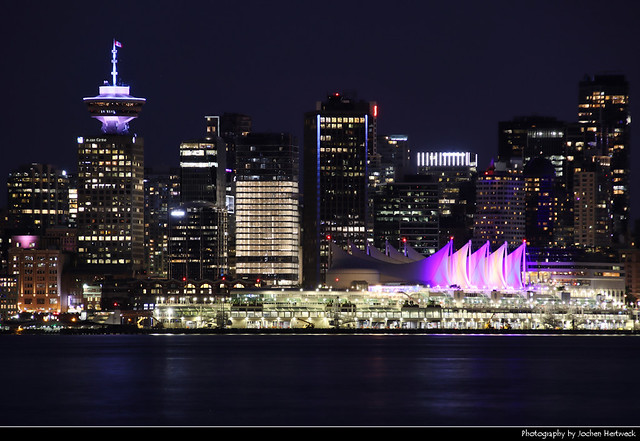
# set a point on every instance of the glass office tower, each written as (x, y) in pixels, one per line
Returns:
(339, 142)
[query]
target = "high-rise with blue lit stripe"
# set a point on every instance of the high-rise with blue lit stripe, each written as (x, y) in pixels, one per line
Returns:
(339, 142)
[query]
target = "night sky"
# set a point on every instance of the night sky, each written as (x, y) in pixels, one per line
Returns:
(443, 73)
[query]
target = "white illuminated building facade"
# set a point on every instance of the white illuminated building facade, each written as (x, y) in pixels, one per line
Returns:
(446, 159)
(267, 210)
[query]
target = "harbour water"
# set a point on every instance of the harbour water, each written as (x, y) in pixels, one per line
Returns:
(319, 380)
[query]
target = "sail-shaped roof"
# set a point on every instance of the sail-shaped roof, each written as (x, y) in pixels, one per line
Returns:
(446, 267)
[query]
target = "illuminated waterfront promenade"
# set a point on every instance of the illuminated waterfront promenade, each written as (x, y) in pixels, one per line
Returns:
(411, 308)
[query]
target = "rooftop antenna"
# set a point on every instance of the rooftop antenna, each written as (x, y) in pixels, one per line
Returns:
(114, 60)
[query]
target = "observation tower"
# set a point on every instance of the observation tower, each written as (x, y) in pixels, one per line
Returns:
(110, 181)
(114, 107)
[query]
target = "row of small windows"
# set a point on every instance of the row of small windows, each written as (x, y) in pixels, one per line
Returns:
(109, 261)
(341, 119)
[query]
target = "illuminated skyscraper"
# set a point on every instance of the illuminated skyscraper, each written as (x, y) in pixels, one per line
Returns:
(110, 217)
(541, 201)
(500, 205)
(204, 227)
(162, 191)
(38, 198)
(339, 141)
(267, 210)
(197, 241)
(603, 109)
(525, 137)
(202, 167)
(592, 215)
(455, 173)
(406, 213)
(592, 190)
(231, 127)
(530, 138)
(393, 159)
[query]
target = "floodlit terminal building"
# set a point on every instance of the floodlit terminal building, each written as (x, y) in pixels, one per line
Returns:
(451, 289)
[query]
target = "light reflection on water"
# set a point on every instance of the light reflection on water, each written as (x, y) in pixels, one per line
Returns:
(332, 380)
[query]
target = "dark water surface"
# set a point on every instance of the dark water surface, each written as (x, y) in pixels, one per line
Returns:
(319, 380)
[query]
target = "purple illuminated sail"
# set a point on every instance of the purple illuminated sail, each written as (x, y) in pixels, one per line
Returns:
(434, 270)
(514, 266)
(477, 267)
(495, 268)
(481, 269)
(459, 268)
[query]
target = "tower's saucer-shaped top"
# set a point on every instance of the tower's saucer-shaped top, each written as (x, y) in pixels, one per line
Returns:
(114, 107)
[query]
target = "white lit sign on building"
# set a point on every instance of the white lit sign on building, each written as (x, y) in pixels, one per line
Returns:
(447, 159)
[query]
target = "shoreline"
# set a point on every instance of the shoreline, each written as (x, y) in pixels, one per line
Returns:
(130, 330)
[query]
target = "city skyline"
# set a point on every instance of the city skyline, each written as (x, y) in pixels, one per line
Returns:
(205, 252)
(453, 102)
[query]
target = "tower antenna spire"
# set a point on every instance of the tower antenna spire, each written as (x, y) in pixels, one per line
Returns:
(114, 60)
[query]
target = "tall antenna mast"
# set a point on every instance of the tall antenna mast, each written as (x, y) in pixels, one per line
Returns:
(114, 60)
